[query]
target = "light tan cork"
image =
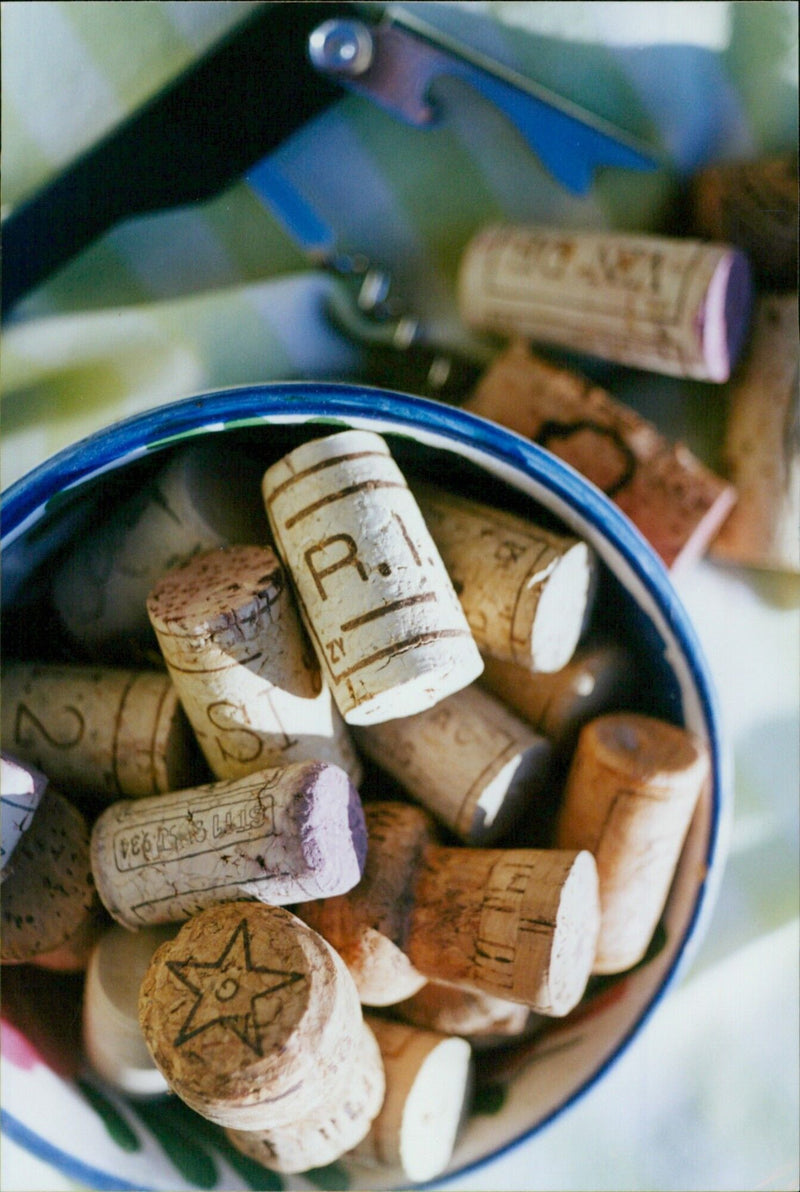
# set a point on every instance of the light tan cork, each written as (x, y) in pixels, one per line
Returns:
(753, 204)
(676, 502)
(518, 924)
(631, 791)
(368, 925)
(251, 1017)
(334, 1129)
(526, 592)
(205, 495)
(469, 761)
(112, 1038)
(280, 835)
(387, 627)
(100, 731)
(247, 677)
(429, 1084)
(600, 677)
(479, 1018)
(761, 448)
(666, 304)
(50, 908)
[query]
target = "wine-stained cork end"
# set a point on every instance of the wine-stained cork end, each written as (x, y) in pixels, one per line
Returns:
(250, 1016)
(332, 830)
(21, 789)
(726, 314)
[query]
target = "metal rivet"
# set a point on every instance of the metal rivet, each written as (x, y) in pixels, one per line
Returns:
(341, 47)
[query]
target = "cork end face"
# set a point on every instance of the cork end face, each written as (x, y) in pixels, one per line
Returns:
(435, 1109)
(245, 1012)
(333, 833)
(648, 751)
(223, 589)
(575, 938)
(21, 787)
(563, 609)
(726, 315)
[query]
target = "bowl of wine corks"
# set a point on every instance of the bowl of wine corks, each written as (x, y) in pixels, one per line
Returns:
(363, 793)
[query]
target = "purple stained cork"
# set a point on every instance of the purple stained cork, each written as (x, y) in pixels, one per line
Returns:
(283, 835)
(725, 315)
(667, 304)
(330, 824)
(21, 789)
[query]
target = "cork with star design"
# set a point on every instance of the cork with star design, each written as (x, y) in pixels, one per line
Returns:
(250, 1016)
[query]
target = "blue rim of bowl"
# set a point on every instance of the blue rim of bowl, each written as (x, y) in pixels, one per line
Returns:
(334, 403)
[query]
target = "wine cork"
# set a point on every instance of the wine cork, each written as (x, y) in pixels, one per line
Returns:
(49, 909)
(248, 680)
(469, 761)
(754, 205)
(21, 789)
(386, 624)
(526, 591)
(203, 497)
(519, 924)
(630, 795)
(669, 305)
(761, 449)
(281, 835)
(112, 1038)
(479, 1018)
(429, 1084)
(676, 502)
(600, 677)
(251, 1017)
(333, 1129)
(99, 730)
(368, 925)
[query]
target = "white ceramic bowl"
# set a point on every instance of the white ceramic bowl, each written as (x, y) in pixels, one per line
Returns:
(98, 1138)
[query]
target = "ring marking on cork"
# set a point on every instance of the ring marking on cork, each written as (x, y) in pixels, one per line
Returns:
(330, 498)
(322, 464)
(231, 992)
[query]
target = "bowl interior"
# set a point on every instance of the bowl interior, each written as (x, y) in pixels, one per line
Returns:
(50, 1104)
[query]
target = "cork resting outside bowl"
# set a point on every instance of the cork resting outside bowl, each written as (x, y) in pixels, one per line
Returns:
(60, 1118)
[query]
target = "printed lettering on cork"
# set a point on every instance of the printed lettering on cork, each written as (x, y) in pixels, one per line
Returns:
(389, 631)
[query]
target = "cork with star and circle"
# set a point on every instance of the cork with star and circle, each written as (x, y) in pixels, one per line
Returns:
(250, 1015)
